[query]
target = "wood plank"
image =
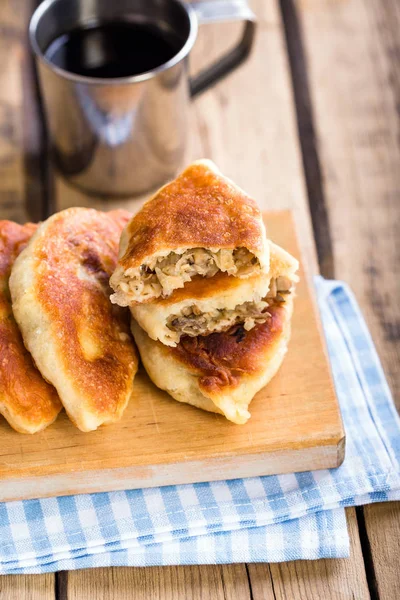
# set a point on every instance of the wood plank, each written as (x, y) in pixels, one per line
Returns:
(383, 530)
(19, 197)
(313, 579)
(307, 136)
(20, 131)
(175, 443)
(353, 53)
(27, 587)
(213, 582)
(12, 201)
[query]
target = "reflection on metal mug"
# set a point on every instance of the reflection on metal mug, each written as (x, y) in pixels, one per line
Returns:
(125, 135)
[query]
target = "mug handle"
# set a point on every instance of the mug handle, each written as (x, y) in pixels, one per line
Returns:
(214, 11)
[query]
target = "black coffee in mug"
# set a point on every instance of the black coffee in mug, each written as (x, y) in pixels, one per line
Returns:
(113, 49)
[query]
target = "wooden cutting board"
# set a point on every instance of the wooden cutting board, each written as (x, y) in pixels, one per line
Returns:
(295, 426)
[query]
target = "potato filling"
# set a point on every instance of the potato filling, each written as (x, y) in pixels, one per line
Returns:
(162, 275)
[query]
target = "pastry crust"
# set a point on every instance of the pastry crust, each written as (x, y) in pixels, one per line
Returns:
(78, 339)
(27, 401)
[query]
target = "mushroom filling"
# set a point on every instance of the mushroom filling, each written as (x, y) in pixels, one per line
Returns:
(162, 275)
(278, 288)
(191, 321)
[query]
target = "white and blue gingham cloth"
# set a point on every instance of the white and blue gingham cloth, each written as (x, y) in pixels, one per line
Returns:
(275, 518)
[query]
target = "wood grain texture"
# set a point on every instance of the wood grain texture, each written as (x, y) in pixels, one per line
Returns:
(353, 51)
(216, 582)
(27, 587)
(12, 202)
(383, 530)
(307, 137)
(20, 129)
(314, 579)
(161, 442)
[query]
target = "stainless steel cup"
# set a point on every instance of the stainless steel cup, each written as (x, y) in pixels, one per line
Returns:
(124, 136)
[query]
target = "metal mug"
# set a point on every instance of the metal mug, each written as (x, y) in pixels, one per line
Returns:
(124, 136)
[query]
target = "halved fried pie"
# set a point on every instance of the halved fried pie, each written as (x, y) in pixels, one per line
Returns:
(199, 225)
(223, 371)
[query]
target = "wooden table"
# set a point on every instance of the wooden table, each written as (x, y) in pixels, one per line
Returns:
(310, 123)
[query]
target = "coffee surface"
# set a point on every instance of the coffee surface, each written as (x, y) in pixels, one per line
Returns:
(114, 49)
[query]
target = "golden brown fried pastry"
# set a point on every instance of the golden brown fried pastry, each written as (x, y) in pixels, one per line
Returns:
(79, 340)
(223, 371)
(198, 225)
(27, 401)
(207, 306)
(220, 372)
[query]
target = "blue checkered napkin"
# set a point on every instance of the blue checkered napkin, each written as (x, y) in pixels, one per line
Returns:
(271, 518)
(322, 534)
